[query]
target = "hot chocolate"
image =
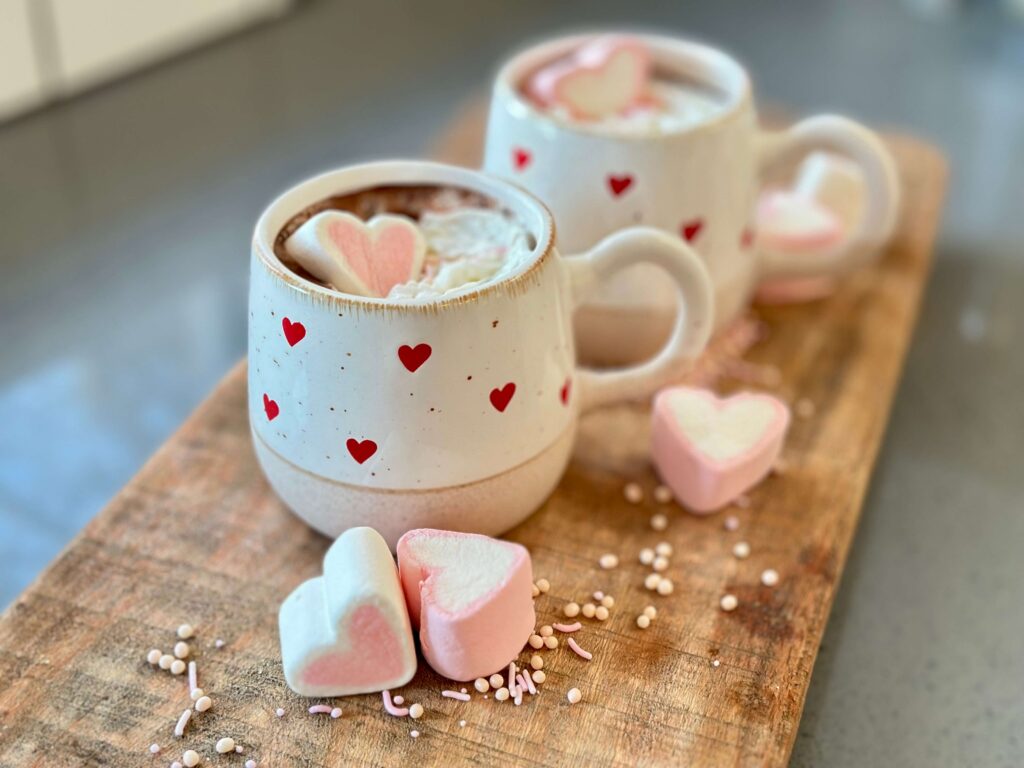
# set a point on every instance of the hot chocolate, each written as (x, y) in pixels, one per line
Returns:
(461, 237)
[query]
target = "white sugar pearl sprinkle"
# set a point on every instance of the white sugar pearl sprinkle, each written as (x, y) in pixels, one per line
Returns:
(225, 745)
(651, 612)
(250, 764)
(178, 667)
(652, 580)
(588, 610)
(165, 661)
(536, 661)
(551, 642)
(608, 601)
(501, 694)
(633, 492)
(574, 696)
(741, 550)
(203, 703)
(196, 694)
(416, 711)
(536, 641)
(660, 564)
(663, 494)
(729, 602)
(770, 577)
(399, 700)
(543, 585)
(571, 610)
(496, 681)
(536, 590)
(481, 685)
(646, 556)
(539, 676)
(181, 650)
(153, 657)
(185, 631)
(547, 631)
(601, 613)
(608, 561)
(643, 621)
(665, 587)
(190, 758)
(659, 522)
(664, 549)
(154, 749)
(279, 712)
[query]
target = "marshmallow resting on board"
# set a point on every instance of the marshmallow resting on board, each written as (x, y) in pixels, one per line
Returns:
(471, 597)
(362, 258)
(604, 77)
(348, 631)
(709, 450)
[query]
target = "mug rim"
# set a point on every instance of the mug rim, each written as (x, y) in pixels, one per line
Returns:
(532, 213)
(720, 67)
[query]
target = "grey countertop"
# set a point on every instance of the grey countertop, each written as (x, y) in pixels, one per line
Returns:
(125, 217)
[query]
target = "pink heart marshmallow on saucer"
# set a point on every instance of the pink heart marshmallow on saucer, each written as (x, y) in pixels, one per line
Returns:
(471, 597)
(606, 76)
(357, 257)
(708, 449)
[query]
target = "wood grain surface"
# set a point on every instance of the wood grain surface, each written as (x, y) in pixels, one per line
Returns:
(197, 536)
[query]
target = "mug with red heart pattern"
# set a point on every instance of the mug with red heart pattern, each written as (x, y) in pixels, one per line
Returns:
(693, 167)
(454, 411)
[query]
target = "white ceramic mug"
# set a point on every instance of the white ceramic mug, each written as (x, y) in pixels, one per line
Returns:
(457, 412)
(698, 182)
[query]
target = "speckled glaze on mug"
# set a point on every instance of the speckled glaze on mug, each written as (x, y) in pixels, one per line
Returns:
(454, 412)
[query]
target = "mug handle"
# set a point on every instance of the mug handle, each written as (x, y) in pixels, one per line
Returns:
(693, 323)
(852, 140)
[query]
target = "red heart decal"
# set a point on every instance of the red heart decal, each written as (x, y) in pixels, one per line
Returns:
(619, 184)
(500, 397)
(413, 357)
(293, 332)
(361, 450)
(565, 391)
(521, 158)
(692, 228)
(747, 238)
(271, 407)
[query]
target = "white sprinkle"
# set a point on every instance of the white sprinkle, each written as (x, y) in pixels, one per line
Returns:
(608, 561)
(659, 522)
(536, 661)
(336, 713)
(279, 712)
(664, 549)
(652, 580)
(660, 564)
(196, 694)
(535, 591)
(731, 523)
(729, 602)
(250, 764)
(588, 610)
(203, 703)
(543, 585)
(178, 667)
(399, 700)
(651, 612)
(225, 745)
(154, 749)
(547, 630)
(219, 643)
(185, 631)
(176, 764)
(646, 556)
(574, 695)
(165, 661)
(608, 601)
(190, 758)
(716, 663)
(179, 728)
(416, 711)
(598, 595)
(633, 492)
(539, 676)
(153, 657)
(551, 642)
(662, 494)
(741, 550)
(536, 641)
(462, 723)
(571, 610)
(181, 650)
(770, 577)
(238, 749)
(481, 685)
(496, 681)
(643, 621)
(501, 694)
(665, 587)
(415, 734)
(601, 613)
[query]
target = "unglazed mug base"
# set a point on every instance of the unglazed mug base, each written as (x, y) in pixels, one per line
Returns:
(490, 506)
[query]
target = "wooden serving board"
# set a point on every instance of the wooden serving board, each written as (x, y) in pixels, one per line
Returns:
(197, 536)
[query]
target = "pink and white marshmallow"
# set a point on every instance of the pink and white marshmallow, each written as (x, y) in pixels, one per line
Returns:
(710, 450)
(357, 257)
(471, 597)
(348, 631)
(606, 76)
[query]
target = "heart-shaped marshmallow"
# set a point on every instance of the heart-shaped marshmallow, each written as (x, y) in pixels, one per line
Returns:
(605, 77)
(348, 631)
(709, 450)
(470, 596)
(362, 258)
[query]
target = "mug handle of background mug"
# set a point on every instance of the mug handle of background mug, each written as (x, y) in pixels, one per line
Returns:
(694, 317)
(860, 145)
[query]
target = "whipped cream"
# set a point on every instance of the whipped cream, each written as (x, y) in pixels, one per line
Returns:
(464, 247)
(670, 107)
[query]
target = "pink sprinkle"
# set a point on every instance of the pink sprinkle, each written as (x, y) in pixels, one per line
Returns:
(192, 684)
(512, 679)
(154, 749)
(320, 709)
(456, 695)
(599, 595)
(250, 764)
(527, 682)
(238, 749)
(219, 643)
(179, 729)
(579, 651)
(399, 699)
(176, 764)
(568, 627)
(279, 712)
(731, 523)
(390, 708)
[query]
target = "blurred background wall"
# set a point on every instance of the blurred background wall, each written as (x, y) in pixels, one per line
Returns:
(128, 195)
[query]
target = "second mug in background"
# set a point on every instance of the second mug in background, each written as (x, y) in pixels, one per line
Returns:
(698, 180)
